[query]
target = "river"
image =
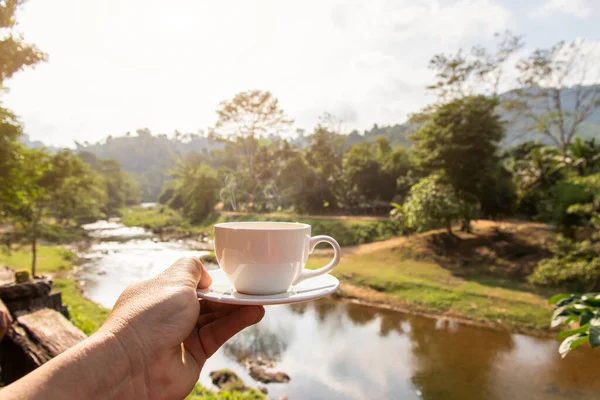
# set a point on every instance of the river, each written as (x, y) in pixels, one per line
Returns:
(337, 350)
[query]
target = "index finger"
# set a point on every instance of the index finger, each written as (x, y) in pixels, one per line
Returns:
(207, 307)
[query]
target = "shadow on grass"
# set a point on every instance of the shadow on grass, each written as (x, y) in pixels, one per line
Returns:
(493, 257)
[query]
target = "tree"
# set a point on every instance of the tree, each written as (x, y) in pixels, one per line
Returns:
(545, 76)
(29, 195)
(324, 155)
(248, 116)
(536, 170)
(59, 186)
(550, 92)
(467, 74)
(498, 194)
(459, 142)
(245, 123)
(371, 170)
(363, 171)
(431, 203)
(122, 188)
(75, 191)
(15, 54)
(10, 154)
(576, 261)
(196, 190)
(584, 156)
(251, 114)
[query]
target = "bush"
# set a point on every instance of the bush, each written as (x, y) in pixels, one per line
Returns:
(431, 204)
(562, 196)
(574, 264)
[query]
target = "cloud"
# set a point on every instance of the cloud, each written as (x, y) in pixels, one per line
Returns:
(576, 8)
(119, 65)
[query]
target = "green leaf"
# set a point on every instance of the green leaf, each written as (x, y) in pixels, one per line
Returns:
(581, 307)
(557, 321)
(562, 311)
(571, 343)
(585, 318)
(595, 336)
(565, 334)
(557, 298)
(592, 302)
(579, 342)
(567, 301)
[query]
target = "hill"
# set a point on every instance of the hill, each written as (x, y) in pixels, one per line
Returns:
(148, 156)
(516, 130)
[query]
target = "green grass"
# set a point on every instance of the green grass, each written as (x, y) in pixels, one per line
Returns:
(152, 217)
(85, 314)
(50, 259)
(430, 286)
(201, 393)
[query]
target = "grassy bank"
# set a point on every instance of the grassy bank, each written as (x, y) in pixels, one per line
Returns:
(85, 314)
(57, 261)
(479, 277)
(346, 231)
(201, 393)
(474, 277)
(50, 259)
(154, 218)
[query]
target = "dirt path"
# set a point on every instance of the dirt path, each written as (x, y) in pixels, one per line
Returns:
(365, 248)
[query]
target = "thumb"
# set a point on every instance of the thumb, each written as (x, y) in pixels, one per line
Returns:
(191, 272)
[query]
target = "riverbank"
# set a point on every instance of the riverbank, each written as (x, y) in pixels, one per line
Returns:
(348, 231)
(59, 263)
(473, 278)
(477, 279)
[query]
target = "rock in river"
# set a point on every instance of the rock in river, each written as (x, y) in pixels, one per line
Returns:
(227, 380)
(260, 374)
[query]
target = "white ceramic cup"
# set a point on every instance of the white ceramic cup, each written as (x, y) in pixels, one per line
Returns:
(264, 258)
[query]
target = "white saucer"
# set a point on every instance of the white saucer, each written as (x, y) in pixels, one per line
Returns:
(221, 291)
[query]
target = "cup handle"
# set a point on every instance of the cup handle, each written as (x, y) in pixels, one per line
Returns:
(337, 254)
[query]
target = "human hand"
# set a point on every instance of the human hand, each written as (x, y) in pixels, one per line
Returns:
(167, 334)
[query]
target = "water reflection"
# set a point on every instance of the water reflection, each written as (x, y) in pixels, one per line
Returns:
(340, 350)
(391, 321)
(451, 360)
(259, 341)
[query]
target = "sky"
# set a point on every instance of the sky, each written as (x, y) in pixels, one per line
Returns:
(119, 65)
